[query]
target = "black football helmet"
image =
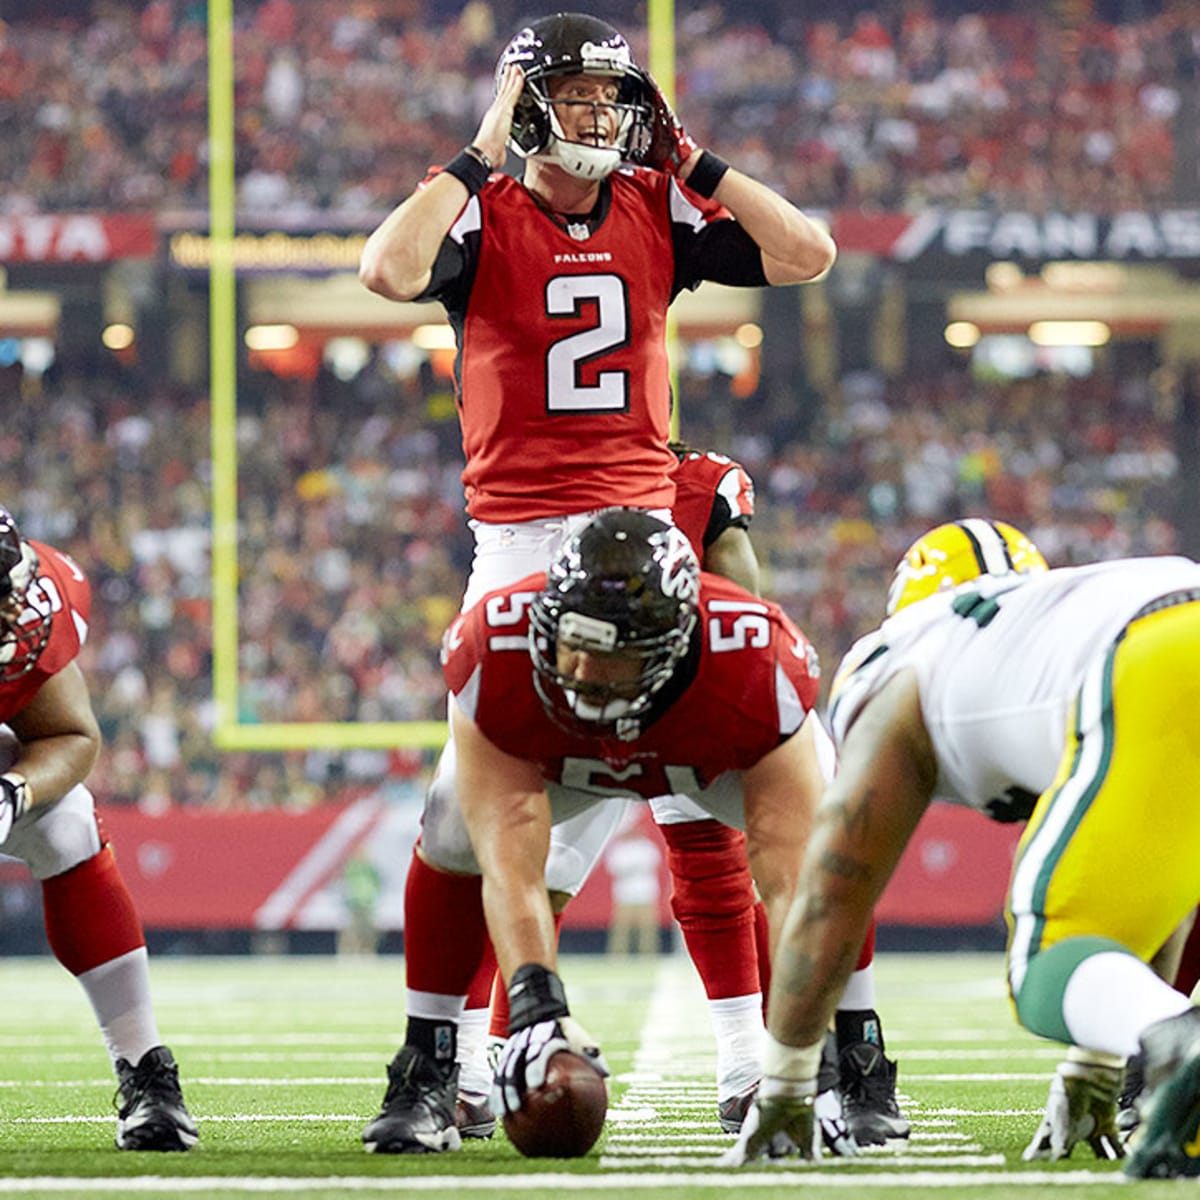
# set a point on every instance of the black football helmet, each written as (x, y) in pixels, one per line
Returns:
(569, 44)
(24, 630)
(627, 583)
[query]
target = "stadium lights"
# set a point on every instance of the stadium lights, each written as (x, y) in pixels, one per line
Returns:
(433, 337)
(118, 336)
(962, 335)
(1069, 333)
(749, 335)
(272, 337)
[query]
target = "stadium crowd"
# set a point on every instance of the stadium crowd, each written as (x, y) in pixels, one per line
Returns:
(340, 109)
(353, 547)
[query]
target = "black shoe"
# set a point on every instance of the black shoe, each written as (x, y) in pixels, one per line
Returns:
(1134, 1084)
(732, 1112)
(418, 1108)
(867, 1081)
(1167, 1144)
(473, 1115)
(151, 1114)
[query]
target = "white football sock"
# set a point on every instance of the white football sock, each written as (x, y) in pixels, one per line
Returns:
(860, 991)
(1111, 997)
(120, 994)
(474, 1074)
(740, 1033)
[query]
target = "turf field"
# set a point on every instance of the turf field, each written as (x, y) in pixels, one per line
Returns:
(283, 1062)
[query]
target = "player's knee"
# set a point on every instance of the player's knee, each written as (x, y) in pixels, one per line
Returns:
(710, 874)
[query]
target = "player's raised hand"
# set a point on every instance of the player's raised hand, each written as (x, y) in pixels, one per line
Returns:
(670, 144)
(492, 137)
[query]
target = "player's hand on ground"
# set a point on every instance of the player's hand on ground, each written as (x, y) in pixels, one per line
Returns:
(781, 1122)
(1081, 1107)
(492, 137)
(527, 1054)
(670, 144)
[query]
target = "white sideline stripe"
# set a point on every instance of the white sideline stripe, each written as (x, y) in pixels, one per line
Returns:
(207, 1080)
(999, 1077)
(980, 1112)
(838, 1164)
(726, 1180)
(224, 1040)
(240, 1119)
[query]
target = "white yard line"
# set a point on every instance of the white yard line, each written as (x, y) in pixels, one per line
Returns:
(561, 1184)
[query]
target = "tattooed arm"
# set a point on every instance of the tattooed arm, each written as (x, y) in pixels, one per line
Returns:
(885, 779)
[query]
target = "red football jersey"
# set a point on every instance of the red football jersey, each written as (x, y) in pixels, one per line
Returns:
(564, 386)
(712, 493)
(756, 680)
(62, 590)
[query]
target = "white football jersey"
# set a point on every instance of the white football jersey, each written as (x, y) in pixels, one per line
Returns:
(999, 661)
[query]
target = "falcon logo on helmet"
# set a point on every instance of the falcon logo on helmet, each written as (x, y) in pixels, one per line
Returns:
(24, 628)
(958, 552)
(627, 586)
(572, 44)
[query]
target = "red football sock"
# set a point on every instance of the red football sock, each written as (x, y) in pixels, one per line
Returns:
(762, 947)
(498, 1023)
(89, 914)
(479, 994)
(713, 901)
(444, 929)
(866, 956)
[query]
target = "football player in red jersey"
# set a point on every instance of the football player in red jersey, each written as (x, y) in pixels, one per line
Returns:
(647, 679)
(723, 925)
(557, 287)
(49, 740)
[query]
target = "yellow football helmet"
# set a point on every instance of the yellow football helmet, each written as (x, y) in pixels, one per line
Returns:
(957, 552)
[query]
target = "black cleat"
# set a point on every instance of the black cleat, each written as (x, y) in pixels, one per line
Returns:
(151, 1114)
(1167, 1143)
(867, 1082)
(1128, 1117)
(473, 1116)
(418, 1108)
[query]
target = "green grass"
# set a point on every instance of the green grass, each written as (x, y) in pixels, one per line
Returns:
(283, 1062)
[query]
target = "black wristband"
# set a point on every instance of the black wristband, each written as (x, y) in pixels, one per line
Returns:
(471, 168)
(706, 174)
(535, 994)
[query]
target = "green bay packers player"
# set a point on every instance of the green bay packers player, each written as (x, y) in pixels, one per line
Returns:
(1068, 697)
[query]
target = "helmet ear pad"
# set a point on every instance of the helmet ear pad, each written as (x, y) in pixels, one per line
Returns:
(531, 123)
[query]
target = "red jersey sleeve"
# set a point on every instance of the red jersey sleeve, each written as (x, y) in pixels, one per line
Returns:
(712, 493)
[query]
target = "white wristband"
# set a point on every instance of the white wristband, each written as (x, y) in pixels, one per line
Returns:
(797, 1064)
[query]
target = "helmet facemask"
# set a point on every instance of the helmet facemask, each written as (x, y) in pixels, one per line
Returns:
(24, 630)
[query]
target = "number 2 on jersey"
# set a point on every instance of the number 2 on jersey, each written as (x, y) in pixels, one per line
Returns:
(566, 296)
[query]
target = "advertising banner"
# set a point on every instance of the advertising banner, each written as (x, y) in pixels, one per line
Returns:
(278, 870)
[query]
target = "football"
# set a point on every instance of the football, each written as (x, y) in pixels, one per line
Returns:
(564, 1117)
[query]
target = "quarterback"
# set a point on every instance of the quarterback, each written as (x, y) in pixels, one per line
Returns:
(557, 286)
(1064, 697)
